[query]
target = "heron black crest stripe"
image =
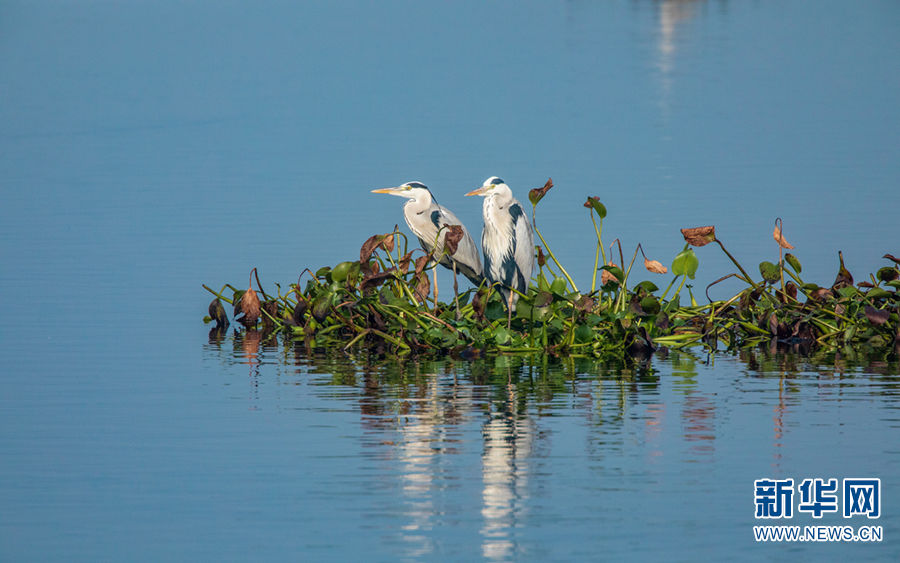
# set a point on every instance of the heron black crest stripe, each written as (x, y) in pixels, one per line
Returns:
(496, 181)
(417, 185)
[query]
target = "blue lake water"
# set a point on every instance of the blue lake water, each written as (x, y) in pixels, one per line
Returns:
(149, 147)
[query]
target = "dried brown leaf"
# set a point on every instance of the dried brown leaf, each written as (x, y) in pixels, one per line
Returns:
(892, 258)
(844, 277)
(541, 259)
(654, 266)
(217, 313)
(388, 242)
(585, 304)
(421, 262)
(423, 286)
(606, 277)
(452, 238)
(877, 316)
(375, 279)
(404, 262)
(699, 236)
(779, 238)
(368, 248)
(249, 307)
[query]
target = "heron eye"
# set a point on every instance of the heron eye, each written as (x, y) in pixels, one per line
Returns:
(408, 187)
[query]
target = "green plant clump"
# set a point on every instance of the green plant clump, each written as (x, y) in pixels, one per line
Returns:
(384, 301)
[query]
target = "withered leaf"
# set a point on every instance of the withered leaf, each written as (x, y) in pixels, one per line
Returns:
(249, 308)
(271, 309)
(299, 309)
(375, 279)
(779, 236)
(585, 304)
(844, 278)
(877, 316)
(452, 238)
(421, 262)
(593, 202)
(537, 194)
(217, 313)
(423, 286)
(866, 284)
(368, 247)
(606, 276)
(478, 304)
(699, 236)
(388, 242)
(541, 259)
(404, 262)
(654, 266)
(892, 258)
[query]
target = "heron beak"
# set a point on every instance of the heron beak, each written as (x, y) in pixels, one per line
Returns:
(391, 191)
(477, 191)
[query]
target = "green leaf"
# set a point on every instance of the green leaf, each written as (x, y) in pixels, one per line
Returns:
(594, 203)
(887, 274)
(502, 336)
(650, 305)
(770, 272)
(686, 263)
(792, 260)
(647, 286)
(584, 333)
(323, 271)
(894, 284)
(848, 291)
(558, 286)
(879, 293)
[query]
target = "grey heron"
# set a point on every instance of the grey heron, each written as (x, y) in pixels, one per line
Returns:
(507, 241)
(427, 220)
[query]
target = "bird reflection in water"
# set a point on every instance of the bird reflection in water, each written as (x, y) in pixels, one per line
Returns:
(508, 437)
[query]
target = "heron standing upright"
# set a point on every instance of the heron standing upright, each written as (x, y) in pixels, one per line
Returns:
(427, 220)
(507, 241)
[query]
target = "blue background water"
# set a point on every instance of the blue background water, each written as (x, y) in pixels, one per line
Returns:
(148, 147)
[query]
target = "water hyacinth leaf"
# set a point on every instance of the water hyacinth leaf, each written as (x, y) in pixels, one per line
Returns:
(593, 202)
(654, 266)
(585, 304)
(877, 316)
(502, 336)
(879, 293)
(647, 286)
(887, 274)
(543, 299)
(769, 271)
(421, 262)
(792, 260)
(405, 261)
(584, 334)
(537, 194)
(452, 238)
(217, 313)
(650, 305)
(844, 278)
(892, 258)
(699, 236)
(299, 310)
(341, 271)
(323, 271)
(848, 291)
(686, 263)
(558, 286)
(423, 286)
(321, 306)
(541, 259)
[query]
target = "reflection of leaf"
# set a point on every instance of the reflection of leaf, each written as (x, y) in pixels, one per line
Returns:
(654, 266)
(699, 236)
(537, 194)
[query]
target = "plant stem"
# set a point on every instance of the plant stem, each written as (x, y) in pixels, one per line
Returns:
(550, 252)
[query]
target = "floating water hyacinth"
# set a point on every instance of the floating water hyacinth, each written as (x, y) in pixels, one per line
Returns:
(383, 301)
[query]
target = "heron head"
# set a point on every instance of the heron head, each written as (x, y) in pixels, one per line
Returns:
(489, 187)
(410, 190)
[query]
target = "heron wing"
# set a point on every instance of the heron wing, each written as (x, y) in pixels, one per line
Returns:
(523, 252)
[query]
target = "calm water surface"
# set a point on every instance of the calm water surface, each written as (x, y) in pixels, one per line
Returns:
(149, 147)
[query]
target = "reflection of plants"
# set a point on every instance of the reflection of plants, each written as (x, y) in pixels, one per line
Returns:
(381, 301)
